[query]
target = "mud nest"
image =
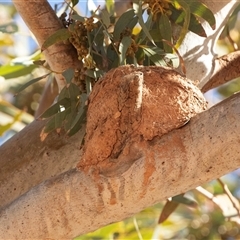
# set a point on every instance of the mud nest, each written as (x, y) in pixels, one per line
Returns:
(136, 104)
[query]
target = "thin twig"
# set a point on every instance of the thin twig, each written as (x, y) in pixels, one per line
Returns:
(229, 194)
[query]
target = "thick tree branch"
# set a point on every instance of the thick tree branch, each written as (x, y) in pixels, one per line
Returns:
(77, 202)
(33, 160)
(43, 22)
(226, 69)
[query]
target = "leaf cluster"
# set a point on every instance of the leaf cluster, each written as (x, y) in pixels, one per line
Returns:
(142, 35)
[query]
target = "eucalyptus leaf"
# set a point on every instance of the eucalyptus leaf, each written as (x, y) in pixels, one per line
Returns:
(201, 10)
(9, 28)
(110, 6)
(122, 22)
(142, 35)
(78, 18)
(74, 2)
(181, 4)
(142, 24)
(55, 108)
(31, 82)
(13, 71)
(166, 32)
(167, 210)
(68, 74)
(105, 17)
(74, 91)
(78, 121)
(154, 55)
(181, 198)
(59, 36)
(195, 26)
(124, 45)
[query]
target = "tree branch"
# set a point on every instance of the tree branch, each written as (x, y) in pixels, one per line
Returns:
(226, 69)
(158, 169)
(43, 22)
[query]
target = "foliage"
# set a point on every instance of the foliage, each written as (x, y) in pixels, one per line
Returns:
(141, 36)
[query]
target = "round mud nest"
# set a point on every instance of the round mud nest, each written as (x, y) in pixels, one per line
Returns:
(136, 104)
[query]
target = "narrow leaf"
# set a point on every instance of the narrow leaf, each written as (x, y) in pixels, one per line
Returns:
(14, 71)
(201, 10)
(124, 45)
(105, 17)
(60, 35)
(181, 4)
(181, 198)
(78, 121)
(31, 82)
(74, 91)
(78, 18)
(166, 32)
(68, 74)
(55, 108)
(9, 28)
(142, 24)
(122, 22)
(142, 35)
(154, 55)
(110, 6)
(167, 210)
(74, 2)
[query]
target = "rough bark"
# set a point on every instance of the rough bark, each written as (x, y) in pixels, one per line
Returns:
(77, 202)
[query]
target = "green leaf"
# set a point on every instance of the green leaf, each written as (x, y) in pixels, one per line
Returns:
(201, 10)
(94, 73)
(74, 91)
(181, 4)
(167, 210)
(123, 47)
(154, 54)
(122, 23)
(110, 6)
(55, 108)
(9, 28)
(105, 17)
(68, 74)
(78, 18)
(50, 125)
(63, 94)
(60, 35)
(181, 198)
(142, 35)
(31, 82)
(166, 32)
(78, 121)
(6, 127)
(39, 62)
(141, 22)
(74, 2)
(14, 71)
(195, 26)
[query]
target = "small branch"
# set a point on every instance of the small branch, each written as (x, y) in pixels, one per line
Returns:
(208, 195)
(226, 69)
(229, 194)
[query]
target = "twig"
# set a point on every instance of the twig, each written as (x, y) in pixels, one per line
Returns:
(229, 194)
(226, 69)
